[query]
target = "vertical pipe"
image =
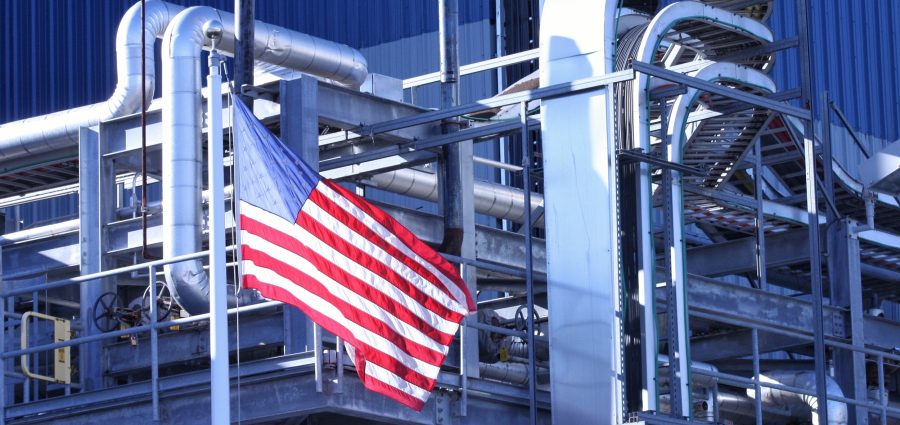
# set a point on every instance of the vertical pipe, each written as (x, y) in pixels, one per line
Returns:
(760, 217)
(463, 365)
(218, 319)
(317, 355)
(154, 343)
(244, 34)
(339, 366)
(815, 261)
(2, 347)
(144, 252)
(757, 400)
(449, 70)
(881, 393)
(529, 270)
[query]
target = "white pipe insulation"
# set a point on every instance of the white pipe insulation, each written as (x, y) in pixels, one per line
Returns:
(491, 199)
(59, 130)
(182, 119)
(801, 404)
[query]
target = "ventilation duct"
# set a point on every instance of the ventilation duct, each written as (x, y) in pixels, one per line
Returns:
(181, 122)
(50, 133)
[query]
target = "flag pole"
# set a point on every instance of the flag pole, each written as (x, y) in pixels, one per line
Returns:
(218, 320)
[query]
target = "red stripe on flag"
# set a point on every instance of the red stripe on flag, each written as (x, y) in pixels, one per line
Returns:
(289, 243)
(407, 237)
(349, 310)
(372, 264)
(392, 392)
(359, 227)
(364, 352)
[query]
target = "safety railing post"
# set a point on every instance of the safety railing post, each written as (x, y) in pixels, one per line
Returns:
(757, 401)
(463, 365)
(154, 343)
(881, 392)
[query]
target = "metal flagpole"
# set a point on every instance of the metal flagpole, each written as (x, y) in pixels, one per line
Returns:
(218, 320)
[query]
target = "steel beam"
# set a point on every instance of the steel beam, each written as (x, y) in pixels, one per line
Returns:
(763, 102)
(274, 389)
(300, 132)
(94, 207)
(846, 292)
(739, 256)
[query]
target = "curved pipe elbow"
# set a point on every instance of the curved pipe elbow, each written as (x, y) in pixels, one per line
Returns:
(182, 44)
(837, 411)
(59, 130)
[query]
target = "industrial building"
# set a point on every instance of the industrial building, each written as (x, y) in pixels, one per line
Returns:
(669, 211)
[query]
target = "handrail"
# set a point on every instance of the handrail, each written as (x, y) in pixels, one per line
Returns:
(485, 65)
(106, 273)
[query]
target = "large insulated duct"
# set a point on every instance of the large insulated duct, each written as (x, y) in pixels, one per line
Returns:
(59, 130)
(799, 404)
(491, 199)
(181, 120)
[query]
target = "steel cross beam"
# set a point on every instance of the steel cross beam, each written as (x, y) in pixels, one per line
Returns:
(752, 99)
(556, 90)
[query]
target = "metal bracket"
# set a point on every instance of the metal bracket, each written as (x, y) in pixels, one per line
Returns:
(442, 408)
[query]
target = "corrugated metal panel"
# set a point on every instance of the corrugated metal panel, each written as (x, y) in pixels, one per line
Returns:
(58, 54)
(855, 58)
(398, 37)
(393, 58)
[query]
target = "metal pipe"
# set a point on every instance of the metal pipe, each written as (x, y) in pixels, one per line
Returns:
(529, 268)
(181, 118)
(514, 373)
(59, 130)
(491, 199)
(774, 397)
(243, 54)
(154, 344)
(220, 394)
(451, 184)
(701, 380)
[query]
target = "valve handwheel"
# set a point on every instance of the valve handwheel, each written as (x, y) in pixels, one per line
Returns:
(106, 317)
(163, 303)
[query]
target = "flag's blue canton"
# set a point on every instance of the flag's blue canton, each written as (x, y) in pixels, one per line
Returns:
(272, 176)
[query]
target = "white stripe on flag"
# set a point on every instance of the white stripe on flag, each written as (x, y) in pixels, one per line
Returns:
(384, 286)
(392, 239)
(390, 378)
(303, 265)
(364, 245)
(365, 336)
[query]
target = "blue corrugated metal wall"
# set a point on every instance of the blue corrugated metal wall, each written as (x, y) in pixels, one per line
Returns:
(58, 54)
(855, 57)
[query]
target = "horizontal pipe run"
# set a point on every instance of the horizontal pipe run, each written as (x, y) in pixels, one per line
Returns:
(750, 383)
(496, 164)
(515, 272)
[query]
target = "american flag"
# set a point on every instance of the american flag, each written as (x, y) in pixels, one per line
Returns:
(349, 266)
